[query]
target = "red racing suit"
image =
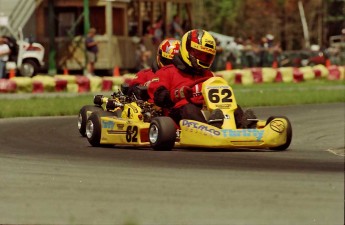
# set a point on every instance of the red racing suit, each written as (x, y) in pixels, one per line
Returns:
(171, 78)
(143, 77)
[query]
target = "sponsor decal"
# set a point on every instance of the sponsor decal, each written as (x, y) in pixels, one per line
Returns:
(224, 106)
(178, 93)
(120, 126)
(243, 133)
(224, 132)
(108, 124)
(147, 83)
(277, 126)
(200, 127)
(203, 48)
(217, 87)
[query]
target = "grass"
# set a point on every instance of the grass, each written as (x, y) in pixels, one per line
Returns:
(43, 106)
(311, 92)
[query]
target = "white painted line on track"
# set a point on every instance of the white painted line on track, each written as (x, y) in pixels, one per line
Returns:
(338, 152)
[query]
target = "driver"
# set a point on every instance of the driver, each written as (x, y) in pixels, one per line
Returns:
(165, 53)
(173, 84)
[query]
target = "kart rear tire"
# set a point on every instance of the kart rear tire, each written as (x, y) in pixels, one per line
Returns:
(284, 146)
(162, 133)
(94, 128)
(82, 117)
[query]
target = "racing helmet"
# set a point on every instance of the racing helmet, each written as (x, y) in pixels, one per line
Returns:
(166, 51)
(198, 49)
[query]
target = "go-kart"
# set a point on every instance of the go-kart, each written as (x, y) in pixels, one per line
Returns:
(114, 106)
(161, 132)
(99, 105)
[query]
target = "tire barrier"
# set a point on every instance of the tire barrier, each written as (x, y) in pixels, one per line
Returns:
(42, 84)
(81, 84)
(282, 74)
(7, 86)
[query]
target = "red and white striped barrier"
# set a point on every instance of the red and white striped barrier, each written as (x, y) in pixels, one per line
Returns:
(7, 86)
(283, 74)
(80, 84)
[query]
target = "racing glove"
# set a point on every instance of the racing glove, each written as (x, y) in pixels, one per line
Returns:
(184, 92)
(131, 89)
(162, 98)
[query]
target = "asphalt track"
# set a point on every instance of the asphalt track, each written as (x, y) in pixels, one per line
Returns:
(51, 175)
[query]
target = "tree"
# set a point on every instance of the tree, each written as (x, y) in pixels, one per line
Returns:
(220, 16)
(256, 18)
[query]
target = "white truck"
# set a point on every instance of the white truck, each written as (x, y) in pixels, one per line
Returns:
(26, 57)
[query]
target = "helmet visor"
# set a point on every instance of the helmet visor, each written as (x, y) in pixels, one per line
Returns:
(204, 54)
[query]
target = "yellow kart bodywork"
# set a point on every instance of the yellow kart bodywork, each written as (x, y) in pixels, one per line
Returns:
(119, 131)
(197, 134)
(219, 95)
(127, 127)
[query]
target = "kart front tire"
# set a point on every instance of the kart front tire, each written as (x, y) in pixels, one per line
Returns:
(284, 146)
(162, 133)
(82, 117)
(94, 128)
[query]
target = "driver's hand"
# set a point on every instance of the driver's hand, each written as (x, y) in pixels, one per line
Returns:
(184, 92)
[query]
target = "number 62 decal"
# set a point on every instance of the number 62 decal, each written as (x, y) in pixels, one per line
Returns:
(216, 95)
(131, 134)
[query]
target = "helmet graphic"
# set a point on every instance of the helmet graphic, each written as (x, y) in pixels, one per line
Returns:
(166, 51)
(198, 49)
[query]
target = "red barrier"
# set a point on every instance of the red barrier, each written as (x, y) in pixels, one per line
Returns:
(37, 87)
(279, 77)
(257, 75)
(7, 86)
(317, 73)
(83, 84)
(238, 78)
(107, 85)
(334, 73)
(60, 85)
(297, 75)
